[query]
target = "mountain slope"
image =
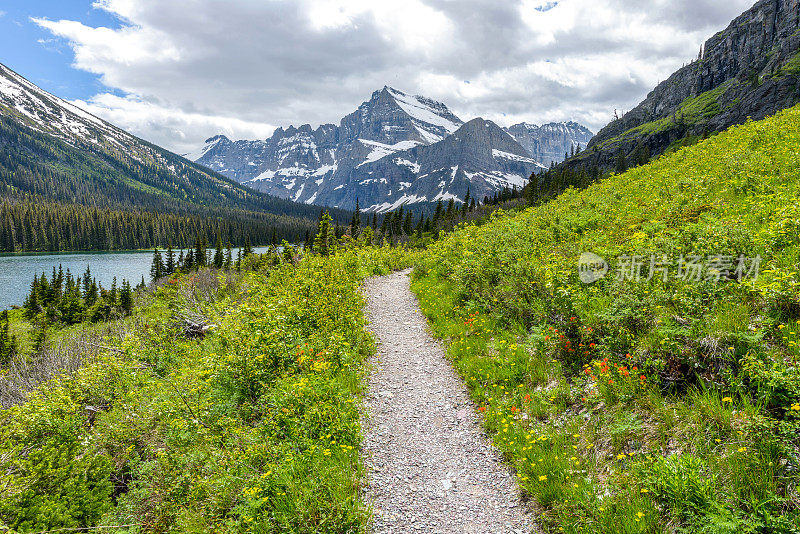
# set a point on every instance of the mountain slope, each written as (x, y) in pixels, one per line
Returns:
(479, 156)
(684, 343)
(55, 157)
(549, 143)
(395, 148)
(748, 70)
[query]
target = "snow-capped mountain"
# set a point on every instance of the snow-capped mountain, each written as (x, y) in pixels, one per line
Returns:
(51, 115)
(549, 142)
(394, 149)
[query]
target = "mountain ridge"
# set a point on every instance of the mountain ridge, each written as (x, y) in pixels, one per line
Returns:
(332, 165)
(55, 157)
(749, 70)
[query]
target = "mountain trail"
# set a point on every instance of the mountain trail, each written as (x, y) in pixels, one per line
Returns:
(430, 467)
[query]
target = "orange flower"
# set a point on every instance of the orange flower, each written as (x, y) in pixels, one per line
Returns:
(482, 409)
(527, 398)
(610, 382)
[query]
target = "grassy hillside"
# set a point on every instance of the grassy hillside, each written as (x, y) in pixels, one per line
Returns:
(254, 428)
(652, 405)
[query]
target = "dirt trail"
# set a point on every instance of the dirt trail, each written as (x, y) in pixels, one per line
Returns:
(431, 468)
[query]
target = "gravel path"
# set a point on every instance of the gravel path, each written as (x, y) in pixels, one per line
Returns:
(431, 469)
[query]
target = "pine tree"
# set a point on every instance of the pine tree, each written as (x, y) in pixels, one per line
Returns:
(126, 298)
(113, 293)
(93, 294)
(8, 343)
(170, 267)
(199, 252)
(408, 224)
(437, 214)
(219, 257)
(87, 284)
(157, 267)
(32, 305)
(355, 223)
(324, 242)
(248, 248)
(228, 256)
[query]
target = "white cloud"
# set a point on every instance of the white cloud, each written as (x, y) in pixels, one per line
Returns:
(192, 69)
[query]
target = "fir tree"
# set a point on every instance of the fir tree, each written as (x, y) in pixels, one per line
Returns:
(8, 343)
(324, 242)
(126, 298)
(170, 266)
(219, 257)
(157, 267)
(355, 223)
(228, 256)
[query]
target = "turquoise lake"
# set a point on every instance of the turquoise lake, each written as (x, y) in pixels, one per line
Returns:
(17, 270)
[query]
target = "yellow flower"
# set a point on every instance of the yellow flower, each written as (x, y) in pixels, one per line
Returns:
(542, 478)
(796, 407)
(727, 399)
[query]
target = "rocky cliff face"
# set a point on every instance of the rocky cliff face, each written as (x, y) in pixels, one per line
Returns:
(749, 69)
(394, 149)
(550, 142)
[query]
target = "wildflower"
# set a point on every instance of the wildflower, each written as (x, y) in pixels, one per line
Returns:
(742, 449)
(796, 407)
(527, 398)
(727, 399)
(542, 478)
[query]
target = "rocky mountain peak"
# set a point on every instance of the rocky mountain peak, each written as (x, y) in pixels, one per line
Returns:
(395, 148)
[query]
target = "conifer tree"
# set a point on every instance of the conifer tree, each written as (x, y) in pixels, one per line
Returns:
(169, 267)
(324, 242)
(228, 256)
(126, 298)
(355, 223)
(157, 267)
(219, 257)
(8, 343)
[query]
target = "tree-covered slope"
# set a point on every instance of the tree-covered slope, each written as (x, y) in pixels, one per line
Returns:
(667, 394)
(70, 180)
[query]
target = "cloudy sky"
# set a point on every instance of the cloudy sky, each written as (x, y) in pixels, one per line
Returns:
(176, 73)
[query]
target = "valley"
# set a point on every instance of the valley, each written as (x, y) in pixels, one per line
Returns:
(410, 320)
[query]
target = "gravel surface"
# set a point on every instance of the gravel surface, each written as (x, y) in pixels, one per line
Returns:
(430, 467)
